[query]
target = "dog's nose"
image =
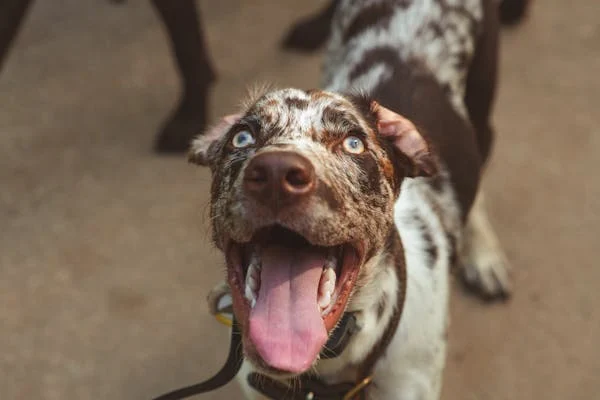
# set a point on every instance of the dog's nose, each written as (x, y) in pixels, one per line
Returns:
(278, 178)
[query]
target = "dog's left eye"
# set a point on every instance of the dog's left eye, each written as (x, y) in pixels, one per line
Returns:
(353, 145)
(242, 139)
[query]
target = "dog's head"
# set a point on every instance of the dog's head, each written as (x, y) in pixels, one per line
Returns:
(303, 190)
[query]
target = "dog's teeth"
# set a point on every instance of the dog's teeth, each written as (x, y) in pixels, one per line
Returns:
(249, 293)
(324, 300)
(251, 287)
(252, 283)
(253, 278)
(326, 287)
(328, 278)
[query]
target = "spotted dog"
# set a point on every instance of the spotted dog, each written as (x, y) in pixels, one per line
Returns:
(361, 197)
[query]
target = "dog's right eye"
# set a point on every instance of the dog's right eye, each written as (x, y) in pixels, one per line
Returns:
(242, 139)
(353, 145)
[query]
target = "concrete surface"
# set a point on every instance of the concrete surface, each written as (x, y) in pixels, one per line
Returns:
(104, 256)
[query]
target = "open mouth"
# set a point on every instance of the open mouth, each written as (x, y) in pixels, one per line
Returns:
(290, 293)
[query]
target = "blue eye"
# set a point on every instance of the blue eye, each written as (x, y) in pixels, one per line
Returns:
(242, 139)
(353, 145)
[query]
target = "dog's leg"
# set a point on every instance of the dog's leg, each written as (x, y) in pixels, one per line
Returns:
(484, 265)
(481, 80)
(12, 14)
(186, 35)
(310, 33)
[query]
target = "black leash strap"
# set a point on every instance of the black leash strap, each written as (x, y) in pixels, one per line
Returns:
(225, 375)
(311, 386)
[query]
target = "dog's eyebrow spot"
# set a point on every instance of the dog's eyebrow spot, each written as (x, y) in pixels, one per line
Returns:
(295, 102)
(339, 119)
(252, 122)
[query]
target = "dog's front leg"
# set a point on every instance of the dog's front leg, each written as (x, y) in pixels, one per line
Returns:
(484, 266)
(185, 29)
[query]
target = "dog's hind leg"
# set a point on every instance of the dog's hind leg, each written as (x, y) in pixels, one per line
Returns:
(484, 265)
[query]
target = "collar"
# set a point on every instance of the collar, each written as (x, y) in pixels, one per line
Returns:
(309, 387)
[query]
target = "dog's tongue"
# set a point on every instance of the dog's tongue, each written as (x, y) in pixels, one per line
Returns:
(286, 327)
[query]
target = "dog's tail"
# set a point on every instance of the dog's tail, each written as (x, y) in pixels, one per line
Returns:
(513, 11)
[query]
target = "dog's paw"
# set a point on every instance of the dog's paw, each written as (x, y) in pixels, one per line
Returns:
(188, 120)
(178, 131)
(486, 273)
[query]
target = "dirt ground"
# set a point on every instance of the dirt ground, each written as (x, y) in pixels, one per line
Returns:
(104, 254)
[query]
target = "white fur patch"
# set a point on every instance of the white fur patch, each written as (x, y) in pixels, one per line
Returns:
(414, 33)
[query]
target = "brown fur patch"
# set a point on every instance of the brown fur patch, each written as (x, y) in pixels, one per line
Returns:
(378, 14)
(294, 102)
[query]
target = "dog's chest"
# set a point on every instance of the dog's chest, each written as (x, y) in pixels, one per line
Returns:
(428, 222)
(439, 35)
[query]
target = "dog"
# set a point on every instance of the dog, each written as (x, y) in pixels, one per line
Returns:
(359, 198)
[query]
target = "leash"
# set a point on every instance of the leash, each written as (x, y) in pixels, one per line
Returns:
(309, 386)
(312, 388)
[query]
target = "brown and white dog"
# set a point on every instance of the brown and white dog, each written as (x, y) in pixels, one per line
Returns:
(361, 196)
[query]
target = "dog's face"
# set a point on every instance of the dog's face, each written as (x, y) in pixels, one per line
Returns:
(304, 185)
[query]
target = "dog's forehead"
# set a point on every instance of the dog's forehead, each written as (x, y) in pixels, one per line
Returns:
(294, 113)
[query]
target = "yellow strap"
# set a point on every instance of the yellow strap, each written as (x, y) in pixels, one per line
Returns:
(222, 318)
(359, 386)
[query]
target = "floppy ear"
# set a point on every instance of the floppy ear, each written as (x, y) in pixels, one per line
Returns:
(200, 151)
(406, 138)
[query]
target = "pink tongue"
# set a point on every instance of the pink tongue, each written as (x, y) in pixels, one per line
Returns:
(286, 327)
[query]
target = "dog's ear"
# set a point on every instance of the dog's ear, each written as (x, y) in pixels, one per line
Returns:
(202, 149)
(407, 139)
